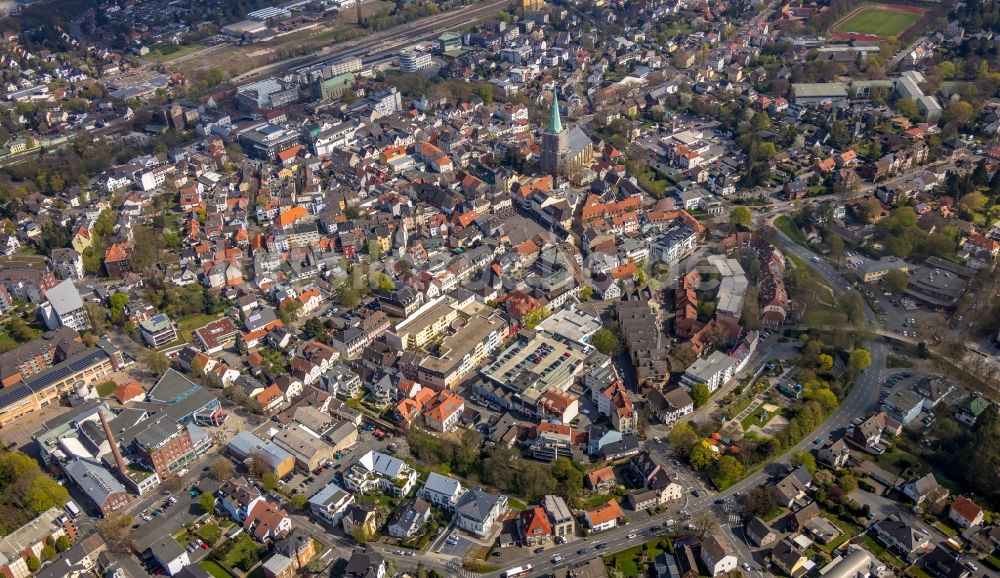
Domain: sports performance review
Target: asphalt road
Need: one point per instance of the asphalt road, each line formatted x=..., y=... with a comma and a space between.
x=862, y=399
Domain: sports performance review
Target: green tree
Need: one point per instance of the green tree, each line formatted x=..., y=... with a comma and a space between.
x=741, y=217
x=385, y=283
x=585, y=293
x=700, y=394
x=606, y=342
x=485, y=92
x=63, y=543
x=156, y=362
x=33, y=563
x=269, y=481
x=682, y=437
x=299, y=501
x=908, y=108
x=532, y=318
x=315, y=328
x=805, y=458
x=49, y=552
x=729, y=468
x=825, y=397
x=974, y=201
x=824, y=362
x=860, y=360
x=118, y=303
x=206, y=502
x=896, y=281
x=349, y=297
x=700, y=457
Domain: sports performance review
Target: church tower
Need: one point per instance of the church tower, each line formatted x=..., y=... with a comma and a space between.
x=554, y=140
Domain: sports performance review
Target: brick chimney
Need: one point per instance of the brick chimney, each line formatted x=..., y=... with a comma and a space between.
x=119, y=460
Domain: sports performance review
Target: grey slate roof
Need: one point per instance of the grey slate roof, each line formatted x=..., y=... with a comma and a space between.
x=95, y=481
x=476, y=504
x=64, y=297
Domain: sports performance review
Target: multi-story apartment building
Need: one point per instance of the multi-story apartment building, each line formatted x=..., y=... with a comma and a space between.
x=64, y=308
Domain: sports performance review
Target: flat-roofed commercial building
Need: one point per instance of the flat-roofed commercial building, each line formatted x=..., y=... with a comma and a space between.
x=45, y=388
x=874, y=270
x=939, y=282
x=572, y=324
x=820, y=93
x=536, y=364
x=462, y=351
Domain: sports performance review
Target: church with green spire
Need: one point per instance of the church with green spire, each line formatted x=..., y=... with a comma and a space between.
x=565, y=152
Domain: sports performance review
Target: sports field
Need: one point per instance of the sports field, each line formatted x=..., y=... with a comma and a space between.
x=876, y=21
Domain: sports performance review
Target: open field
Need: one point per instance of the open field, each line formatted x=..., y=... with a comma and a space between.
x=876, y=22
x=235, y=59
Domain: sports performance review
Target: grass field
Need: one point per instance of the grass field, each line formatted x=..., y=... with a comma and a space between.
x=214, y=569
x=879, y=22
x=107, y=388
x=160, y=57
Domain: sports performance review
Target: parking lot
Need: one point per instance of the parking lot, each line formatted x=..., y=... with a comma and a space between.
x=894, y=381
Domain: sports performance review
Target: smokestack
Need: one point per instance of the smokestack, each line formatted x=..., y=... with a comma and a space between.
x=119, y=460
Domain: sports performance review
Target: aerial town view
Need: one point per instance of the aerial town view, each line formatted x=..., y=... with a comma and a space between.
x=499, y=288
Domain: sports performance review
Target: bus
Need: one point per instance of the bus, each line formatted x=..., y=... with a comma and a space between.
x=953, y=544
x=72, y=509
x=518, y=571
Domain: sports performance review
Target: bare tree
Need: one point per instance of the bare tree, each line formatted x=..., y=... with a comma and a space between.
x=703, y=523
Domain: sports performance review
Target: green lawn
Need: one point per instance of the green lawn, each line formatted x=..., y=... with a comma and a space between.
x=241, y=552
x=849, y=531
x=875, y=548
x=945, y=528
x=786, y=226
x=992, y=561
x=879, y=21
x=516, y=504
x=629, y=562
x=106, y=389
x=754, y=418
x=160, y=57
x=897, y=363
x=186, y=325
x=598, y=499
x=210, y=533
x=214, y=569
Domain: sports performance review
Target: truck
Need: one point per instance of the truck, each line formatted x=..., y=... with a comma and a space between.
x=72, y=509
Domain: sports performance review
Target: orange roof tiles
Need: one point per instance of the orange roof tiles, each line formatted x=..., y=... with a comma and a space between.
x=128, y=391
x=605, y=513
x=286, y=218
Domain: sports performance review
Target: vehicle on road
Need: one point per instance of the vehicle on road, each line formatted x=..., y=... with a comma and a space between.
x=746, y=566
x=518, y=571
x=558, y=559
x=583, y=550
x=601, y=546
x=539, y=550
x=632, y=536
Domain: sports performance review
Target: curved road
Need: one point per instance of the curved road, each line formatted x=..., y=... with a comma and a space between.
x=862, y=399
